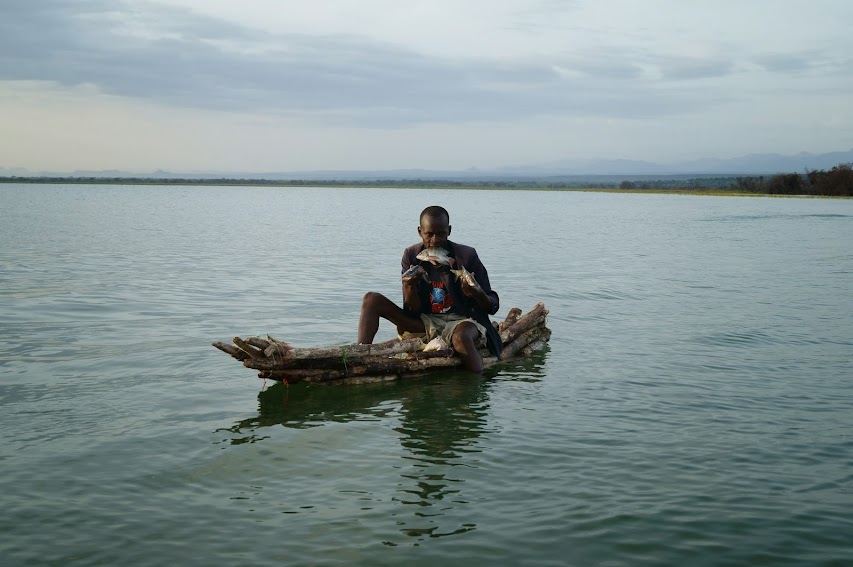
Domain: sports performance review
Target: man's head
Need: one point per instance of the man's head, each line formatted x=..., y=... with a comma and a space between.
x=435, y=227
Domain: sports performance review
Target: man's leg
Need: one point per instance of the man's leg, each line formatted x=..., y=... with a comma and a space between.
x=465, y=336
x=375, y=306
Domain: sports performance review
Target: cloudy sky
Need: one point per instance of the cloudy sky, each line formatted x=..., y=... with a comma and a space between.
x=286, y=85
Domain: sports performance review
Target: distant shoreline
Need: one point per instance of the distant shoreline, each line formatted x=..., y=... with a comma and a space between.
x=395, y=184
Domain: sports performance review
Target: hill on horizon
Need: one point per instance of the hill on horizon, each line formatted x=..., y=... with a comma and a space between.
x=752, y=164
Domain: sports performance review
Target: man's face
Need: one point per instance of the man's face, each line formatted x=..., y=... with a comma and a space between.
x=434, y=231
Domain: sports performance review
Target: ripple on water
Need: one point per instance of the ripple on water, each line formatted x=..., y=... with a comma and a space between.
x=693, y=406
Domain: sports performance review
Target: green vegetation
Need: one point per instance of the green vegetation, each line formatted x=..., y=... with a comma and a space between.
x=837, y=182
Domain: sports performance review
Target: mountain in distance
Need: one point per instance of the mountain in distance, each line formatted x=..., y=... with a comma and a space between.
x=752, y=164
x=15, y=171
x=771, y=163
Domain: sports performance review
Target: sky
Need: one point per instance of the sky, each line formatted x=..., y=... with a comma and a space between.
x=282, y=85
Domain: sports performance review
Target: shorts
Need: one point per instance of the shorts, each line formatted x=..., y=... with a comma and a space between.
x=442, y=325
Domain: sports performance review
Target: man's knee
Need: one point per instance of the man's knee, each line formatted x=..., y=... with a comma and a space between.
x=465, y=336
x=372, y=299
x=465, y=333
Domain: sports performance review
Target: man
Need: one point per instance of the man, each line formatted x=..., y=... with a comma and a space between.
x=435, y=301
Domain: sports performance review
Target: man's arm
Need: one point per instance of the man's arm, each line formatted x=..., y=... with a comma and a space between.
x=411, y=292
x=483, y=301
x=486, y=299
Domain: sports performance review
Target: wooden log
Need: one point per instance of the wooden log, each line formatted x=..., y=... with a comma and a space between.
x=375, y=379
x=378, y=378
x=380, y=368
x=403, y=365
x=357, y=363
x=511, y=319
x=374, y=365
x=537, y=344
x=247, y=348
x=510, y=335
x=403, y=368
x=524, y=322
x=512, y=349
x=413, y=363
x=342, y=363
x=277, y=348
x=230, y=349
x=534, y=317
x=302, y=375
x=393, y=346
x=257, y=342
x=327, y=368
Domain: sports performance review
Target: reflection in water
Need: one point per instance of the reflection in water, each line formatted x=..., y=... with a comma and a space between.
x=441, y=422
x=440, y=426
x=302, y=405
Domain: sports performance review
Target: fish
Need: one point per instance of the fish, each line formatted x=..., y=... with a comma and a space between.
x=436, y=344
x=437, y=256
x=415, y=271
x=465, y=276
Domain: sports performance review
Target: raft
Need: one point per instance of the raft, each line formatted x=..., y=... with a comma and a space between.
x=521, y=335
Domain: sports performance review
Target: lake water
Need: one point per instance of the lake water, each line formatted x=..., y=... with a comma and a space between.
x=695, y=406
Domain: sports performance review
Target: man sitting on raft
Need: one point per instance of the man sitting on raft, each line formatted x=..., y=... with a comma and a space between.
x=440, y=298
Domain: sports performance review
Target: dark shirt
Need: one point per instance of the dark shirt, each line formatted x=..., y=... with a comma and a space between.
x=457, y=302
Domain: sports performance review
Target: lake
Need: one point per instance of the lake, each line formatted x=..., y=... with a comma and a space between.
x=694, y=407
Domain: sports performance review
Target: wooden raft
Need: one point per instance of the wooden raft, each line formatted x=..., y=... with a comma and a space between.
x=522, y=335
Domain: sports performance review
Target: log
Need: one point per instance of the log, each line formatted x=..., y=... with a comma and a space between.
x=513, y=348
x=302, y=375
x=393, y=346
x=535, y=316
x=340, y=363
x=523, y=323
x=347, y=356
x=279, y=348
x=323, y=370
x=374, y=379
x=511, y=334
x=374, y=365
x=511, y=319
x=536, y=345
x=357, y=363
x=230, y=349
x=257, y=342
x=247, y=348
x=379, y=368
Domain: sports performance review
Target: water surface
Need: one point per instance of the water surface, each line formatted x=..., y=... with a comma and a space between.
x=694, y=406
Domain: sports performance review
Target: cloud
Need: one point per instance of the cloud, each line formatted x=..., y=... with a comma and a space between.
x=813, y=63
x=689, y=68
x=182, y=58
x=473, y=82
x=785, y=62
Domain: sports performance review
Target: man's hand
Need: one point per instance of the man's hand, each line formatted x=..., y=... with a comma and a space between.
x=467, y=282
x=413, y=275
x=469, y=286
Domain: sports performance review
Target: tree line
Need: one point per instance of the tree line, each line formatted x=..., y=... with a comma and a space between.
x=837, y=182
